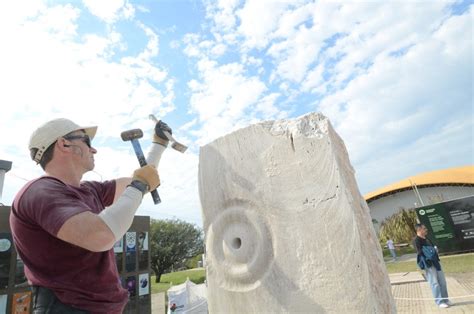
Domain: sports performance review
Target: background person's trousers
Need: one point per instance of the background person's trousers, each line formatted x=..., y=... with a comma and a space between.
x=438, y=285
x=45, y=302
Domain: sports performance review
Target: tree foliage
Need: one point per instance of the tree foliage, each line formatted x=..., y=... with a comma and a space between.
x=172, y=243
x=193, y=262
x=399, y=227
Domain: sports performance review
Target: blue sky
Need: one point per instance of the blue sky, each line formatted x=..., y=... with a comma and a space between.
x=394, y=78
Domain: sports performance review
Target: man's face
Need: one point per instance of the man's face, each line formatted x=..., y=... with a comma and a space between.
x=423, y=231
x=82, y=149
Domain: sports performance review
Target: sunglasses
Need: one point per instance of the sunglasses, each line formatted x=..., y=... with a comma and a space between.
x=85, y=138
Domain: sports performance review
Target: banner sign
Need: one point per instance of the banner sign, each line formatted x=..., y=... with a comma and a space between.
x=450, y=224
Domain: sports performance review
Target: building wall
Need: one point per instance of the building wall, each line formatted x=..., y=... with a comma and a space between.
x=384, y=207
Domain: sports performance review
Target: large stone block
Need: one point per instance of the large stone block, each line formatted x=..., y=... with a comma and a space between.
x=286, y=227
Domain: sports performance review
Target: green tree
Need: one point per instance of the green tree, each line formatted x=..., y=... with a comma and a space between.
x=399, y=227
x=193, y=262
x=172, y=243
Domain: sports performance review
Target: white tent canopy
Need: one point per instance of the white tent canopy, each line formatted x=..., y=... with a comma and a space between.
x=188, y=297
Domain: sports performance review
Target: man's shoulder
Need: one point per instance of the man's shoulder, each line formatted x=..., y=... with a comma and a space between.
x=38, y=186
x=423, y=241
x=44, y=181
x=96, y=185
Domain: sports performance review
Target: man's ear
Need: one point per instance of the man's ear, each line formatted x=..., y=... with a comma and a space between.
x=62, y=143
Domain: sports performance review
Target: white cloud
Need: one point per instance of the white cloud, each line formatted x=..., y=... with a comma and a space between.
x=267, y=107
x=16, y=12
x=192, y=48
x=178, y=190
x=50, y=71
x=395, y=79
x=196, y=47
x=152, y=47
x=110, y=10
x=222, y=12
x=258, y=19
x=403, y=99
x=439, y=149
x=75, y=73
x=385, y=73
x=223, y=97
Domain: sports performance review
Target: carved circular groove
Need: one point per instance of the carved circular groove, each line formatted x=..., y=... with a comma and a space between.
x=236, y=243
x=239, y=245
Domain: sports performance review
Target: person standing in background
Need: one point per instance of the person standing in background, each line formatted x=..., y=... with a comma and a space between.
x=391, y=248
x=428, y=260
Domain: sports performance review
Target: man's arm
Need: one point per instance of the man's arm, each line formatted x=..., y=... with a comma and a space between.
x=98, y=233
x=87, y=230
x=120, y=186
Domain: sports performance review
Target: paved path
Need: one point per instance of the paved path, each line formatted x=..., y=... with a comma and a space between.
x=406, y=287
x=158, y=305
x=412, y=288
x=458, y=285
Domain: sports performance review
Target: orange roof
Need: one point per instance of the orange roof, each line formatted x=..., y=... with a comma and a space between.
x=460, y=175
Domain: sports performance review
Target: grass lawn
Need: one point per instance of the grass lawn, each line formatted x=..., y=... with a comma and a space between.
x=461, y=263
x=197, y=276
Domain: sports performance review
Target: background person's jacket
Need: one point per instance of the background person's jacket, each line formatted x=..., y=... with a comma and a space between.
x=426, y=254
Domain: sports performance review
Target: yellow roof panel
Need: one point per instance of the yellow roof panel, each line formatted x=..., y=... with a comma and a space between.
x=460, y=175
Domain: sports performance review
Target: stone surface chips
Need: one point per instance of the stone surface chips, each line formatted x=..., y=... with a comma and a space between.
x=286, y=227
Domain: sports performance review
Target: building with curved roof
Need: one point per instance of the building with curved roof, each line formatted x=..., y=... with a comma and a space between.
x=422, y=189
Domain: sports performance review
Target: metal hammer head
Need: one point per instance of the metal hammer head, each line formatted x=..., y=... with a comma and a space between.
x=131, y=134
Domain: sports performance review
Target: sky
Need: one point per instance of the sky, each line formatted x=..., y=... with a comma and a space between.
x=395, y=78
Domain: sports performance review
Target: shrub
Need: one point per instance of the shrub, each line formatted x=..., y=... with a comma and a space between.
x=399, y=227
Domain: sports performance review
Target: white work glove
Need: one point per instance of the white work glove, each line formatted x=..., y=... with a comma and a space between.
x=159, y=136
x=160, y=142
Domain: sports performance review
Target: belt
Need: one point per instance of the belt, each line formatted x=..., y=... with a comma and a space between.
x=45, y=302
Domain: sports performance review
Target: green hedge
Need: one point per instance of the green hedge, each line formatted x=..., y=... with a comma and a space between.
x=400, y=251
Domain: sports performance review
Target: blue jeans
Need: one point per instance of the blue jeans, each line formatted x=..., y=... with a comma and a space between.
x=438, y=284
x=394, y=254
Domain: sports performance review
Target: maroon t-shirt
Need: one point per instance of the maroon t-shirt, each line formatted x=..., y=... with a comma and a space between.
x=80, y=278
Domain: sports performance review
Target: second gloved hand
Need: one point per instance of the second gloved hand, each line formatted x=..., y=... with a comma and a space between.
x=148, y=175
x=159, y=136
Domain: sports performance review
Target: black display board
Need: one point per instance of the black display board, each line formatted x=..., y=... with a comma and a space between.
x=131, y=254
x=15, y=294
x=450, y=224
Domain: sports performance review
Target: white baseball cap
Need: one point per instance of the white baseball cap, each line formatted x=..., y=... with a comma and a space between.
x=49, y=132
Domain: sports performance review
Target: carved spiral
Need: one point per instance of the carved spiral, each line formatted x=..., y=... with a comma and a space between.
x=240, y=249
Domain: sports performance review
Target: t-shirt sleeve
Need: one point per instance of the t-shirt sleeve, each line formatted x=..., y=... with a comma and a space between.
x=49, y=203
x=105, y=190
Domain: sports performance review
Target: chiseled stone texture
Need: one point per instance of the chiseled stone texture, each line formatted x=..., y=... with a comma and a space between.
x=286, y=227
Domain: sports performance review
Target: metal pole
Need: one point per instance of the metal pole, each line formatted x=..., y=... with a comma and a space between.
x=417, y=193
x=2, y=178
x=5, y=166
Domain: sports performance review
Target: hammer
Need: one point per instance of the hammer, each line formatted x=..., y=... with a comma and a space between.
x=133, y=136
